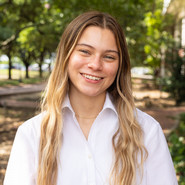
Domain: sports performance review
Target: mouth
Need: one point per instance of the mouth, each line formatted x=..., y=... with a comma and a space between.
x=90, y=77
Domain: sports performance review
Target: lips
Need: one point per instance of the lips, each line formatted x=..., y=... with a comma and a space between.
x=90, y=77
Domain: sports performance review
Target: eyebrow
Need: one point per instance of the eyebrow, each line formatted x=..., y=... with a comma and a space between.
x=109, y=50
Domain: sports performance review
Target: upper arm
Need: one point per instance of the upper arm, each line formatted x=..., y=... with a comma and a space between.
x=159, y=165
x=21, y=169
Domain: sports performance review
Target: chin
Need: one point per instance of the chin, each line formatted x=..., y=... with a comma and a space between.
x=93, y=94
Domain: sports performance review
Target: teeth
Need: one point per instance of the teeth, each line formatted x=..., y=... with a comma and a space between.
x=91, y=77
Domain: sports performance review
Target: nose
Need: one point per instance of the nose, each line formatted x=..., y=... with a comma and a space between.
x=95, y=63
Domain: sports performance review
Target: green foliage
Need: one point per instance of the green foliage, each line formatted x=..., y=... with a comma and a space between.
x=175, y=82
x=177, y=148
x=31, y=30
x=5, y=32
x=157, y=39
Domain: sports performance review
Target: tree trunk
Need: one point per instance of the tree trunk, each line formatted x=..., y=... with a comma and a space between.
x=40, y=70
x=27, y=71
x=49, y=68
x=41, y=62
x=10, y=67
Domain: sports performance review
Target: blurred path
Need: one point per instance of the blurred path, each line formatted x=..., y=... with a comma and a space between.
x=17, y=96
x=22, y=89
x=167, y=117
x=156, y=103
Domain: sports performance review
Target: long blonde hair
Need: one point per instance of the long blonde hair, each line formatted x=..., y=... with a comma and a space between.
x=127, y=141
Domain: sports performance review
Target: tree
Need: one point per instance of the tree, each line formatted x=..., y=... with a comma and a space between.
x=48, y=19
x=157, y=37
x=15, y=17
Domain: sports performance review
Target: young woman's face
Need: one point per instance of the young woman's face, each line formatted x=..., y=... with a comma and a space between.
x=94, y=62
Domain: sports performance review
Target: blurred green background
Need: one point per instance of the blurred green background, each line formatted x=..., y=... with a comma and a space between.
x=30, y=31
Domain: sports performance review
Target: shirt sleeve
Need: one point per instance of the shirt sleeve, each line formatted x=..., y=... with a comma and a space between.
x=21, y=165
x=159, y=165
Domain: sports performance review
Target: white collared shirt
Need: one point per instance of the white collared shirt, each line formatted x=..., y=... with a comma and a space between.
x=88, y=162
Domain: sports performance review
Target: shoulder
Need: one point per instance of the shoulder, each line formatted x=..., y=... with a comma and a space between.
x=151, y=128
x=146, y=120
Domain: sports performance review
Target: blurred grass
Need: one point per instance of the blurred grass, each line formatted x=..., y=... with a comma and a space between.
x=18, y=77
x=23, y=81
x=16, y=73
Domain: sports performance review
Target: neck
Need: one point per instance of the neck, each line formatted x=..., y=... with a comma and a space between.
x=86, y=107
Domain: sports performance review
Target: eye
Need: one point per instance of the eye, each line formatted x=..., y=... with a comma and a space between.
x=86, y=52
x=109, y=57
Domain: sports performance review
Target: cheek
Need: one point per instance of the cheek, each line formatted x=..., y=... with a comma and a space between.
x=73, y=64
x=76, y=62
x=112, y=71
x=72, y=61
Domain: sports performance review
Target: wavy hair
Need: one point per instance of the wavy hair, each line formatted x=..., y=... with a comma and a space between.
x=130, y=152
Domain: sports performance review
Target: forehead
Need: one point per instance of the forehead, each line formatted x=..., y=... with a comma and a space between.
x=97, y=36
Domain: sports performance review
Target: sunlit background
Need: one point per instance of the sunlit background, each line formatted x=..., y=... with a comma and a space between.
x=155, y=32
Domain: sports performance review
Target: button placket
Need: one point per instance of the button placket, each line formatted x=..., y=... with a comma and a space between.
x=90, y=167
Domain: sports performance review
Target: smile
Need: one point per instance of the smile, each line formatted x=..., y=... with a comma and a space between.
x=91, y=77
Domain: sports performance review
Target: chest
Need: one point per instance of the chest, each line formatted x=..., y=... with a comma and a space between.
x=87, y=161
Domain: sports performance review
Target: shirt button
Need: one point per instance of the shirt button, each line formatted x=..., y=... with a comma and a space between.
x=90, y=157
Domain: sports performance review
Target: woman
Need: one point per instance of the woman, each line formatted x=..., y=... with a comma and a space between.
x=90, y=132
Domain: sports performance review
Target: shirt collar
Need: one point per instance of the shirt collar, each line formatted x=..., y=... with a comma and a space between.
x=107, y=105
x=67, y=104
